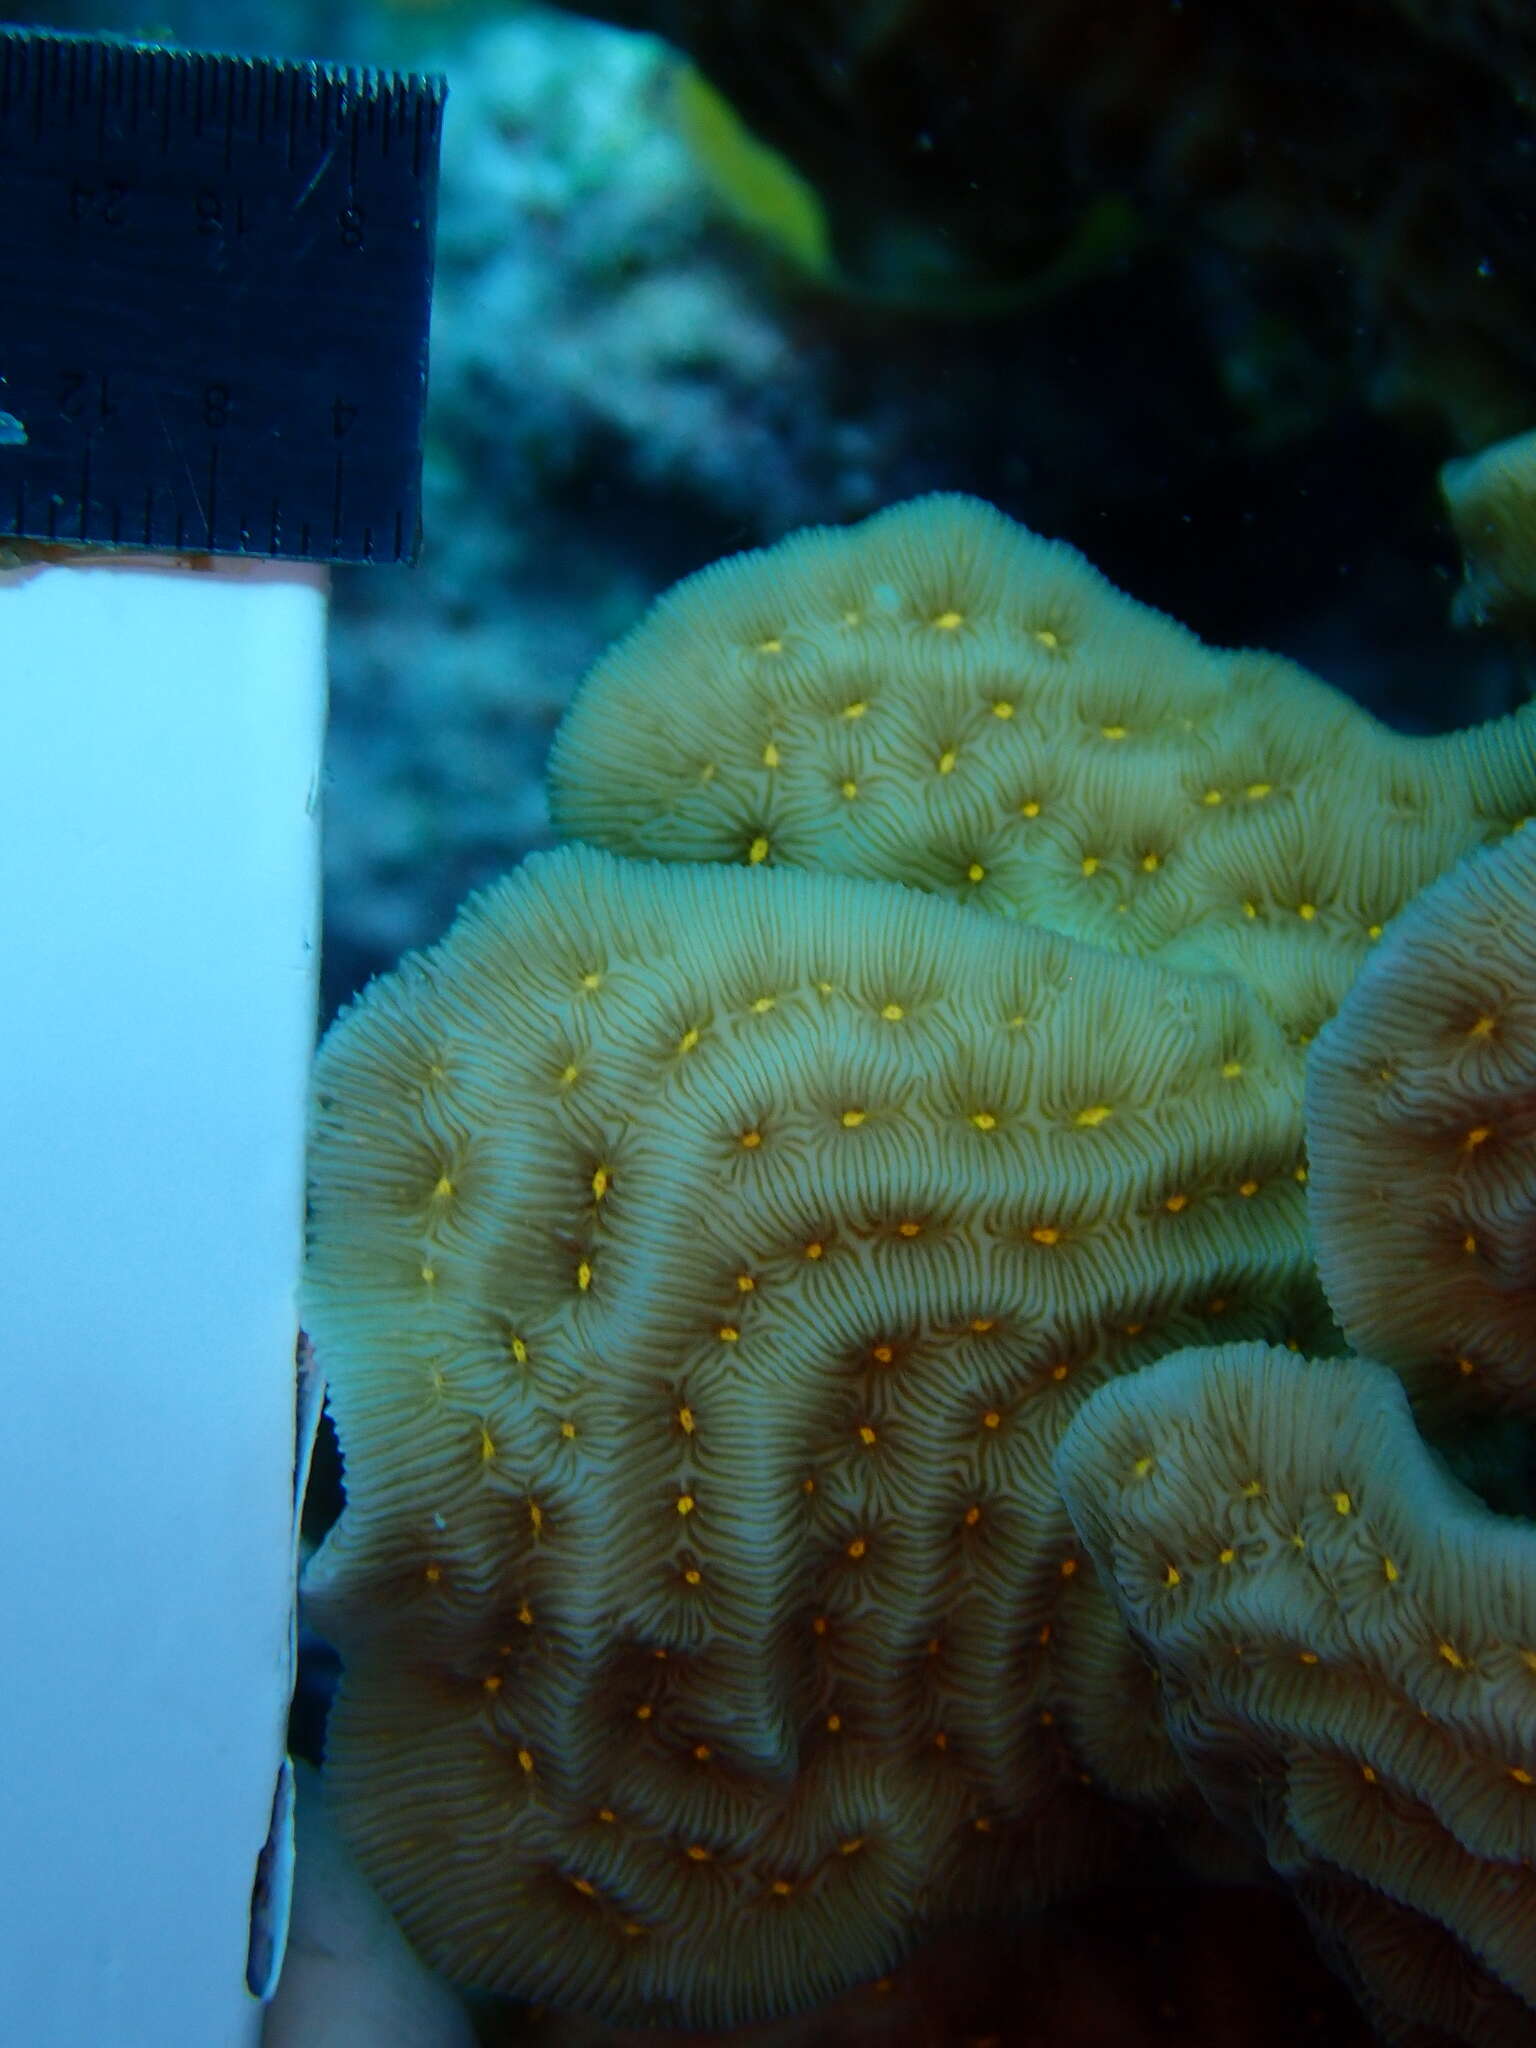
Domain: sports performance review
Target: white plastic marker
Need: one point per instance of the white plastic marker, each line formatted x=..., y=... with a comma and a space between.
x=160, y=741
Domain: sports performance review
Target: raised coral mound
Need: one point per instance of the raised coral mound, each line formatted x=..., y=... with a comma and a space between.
x=1421, y=1124
x=941, y=698
x=1346, y=1643
x=706, y=1264
x=1492, y=503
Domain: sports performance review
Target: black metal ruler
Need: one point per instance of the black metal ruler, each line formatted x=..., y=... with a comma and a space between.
x=215, y=280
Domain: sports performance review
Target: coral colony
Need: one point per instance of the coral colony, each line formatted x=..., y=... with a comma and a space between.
x=843, y=1429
